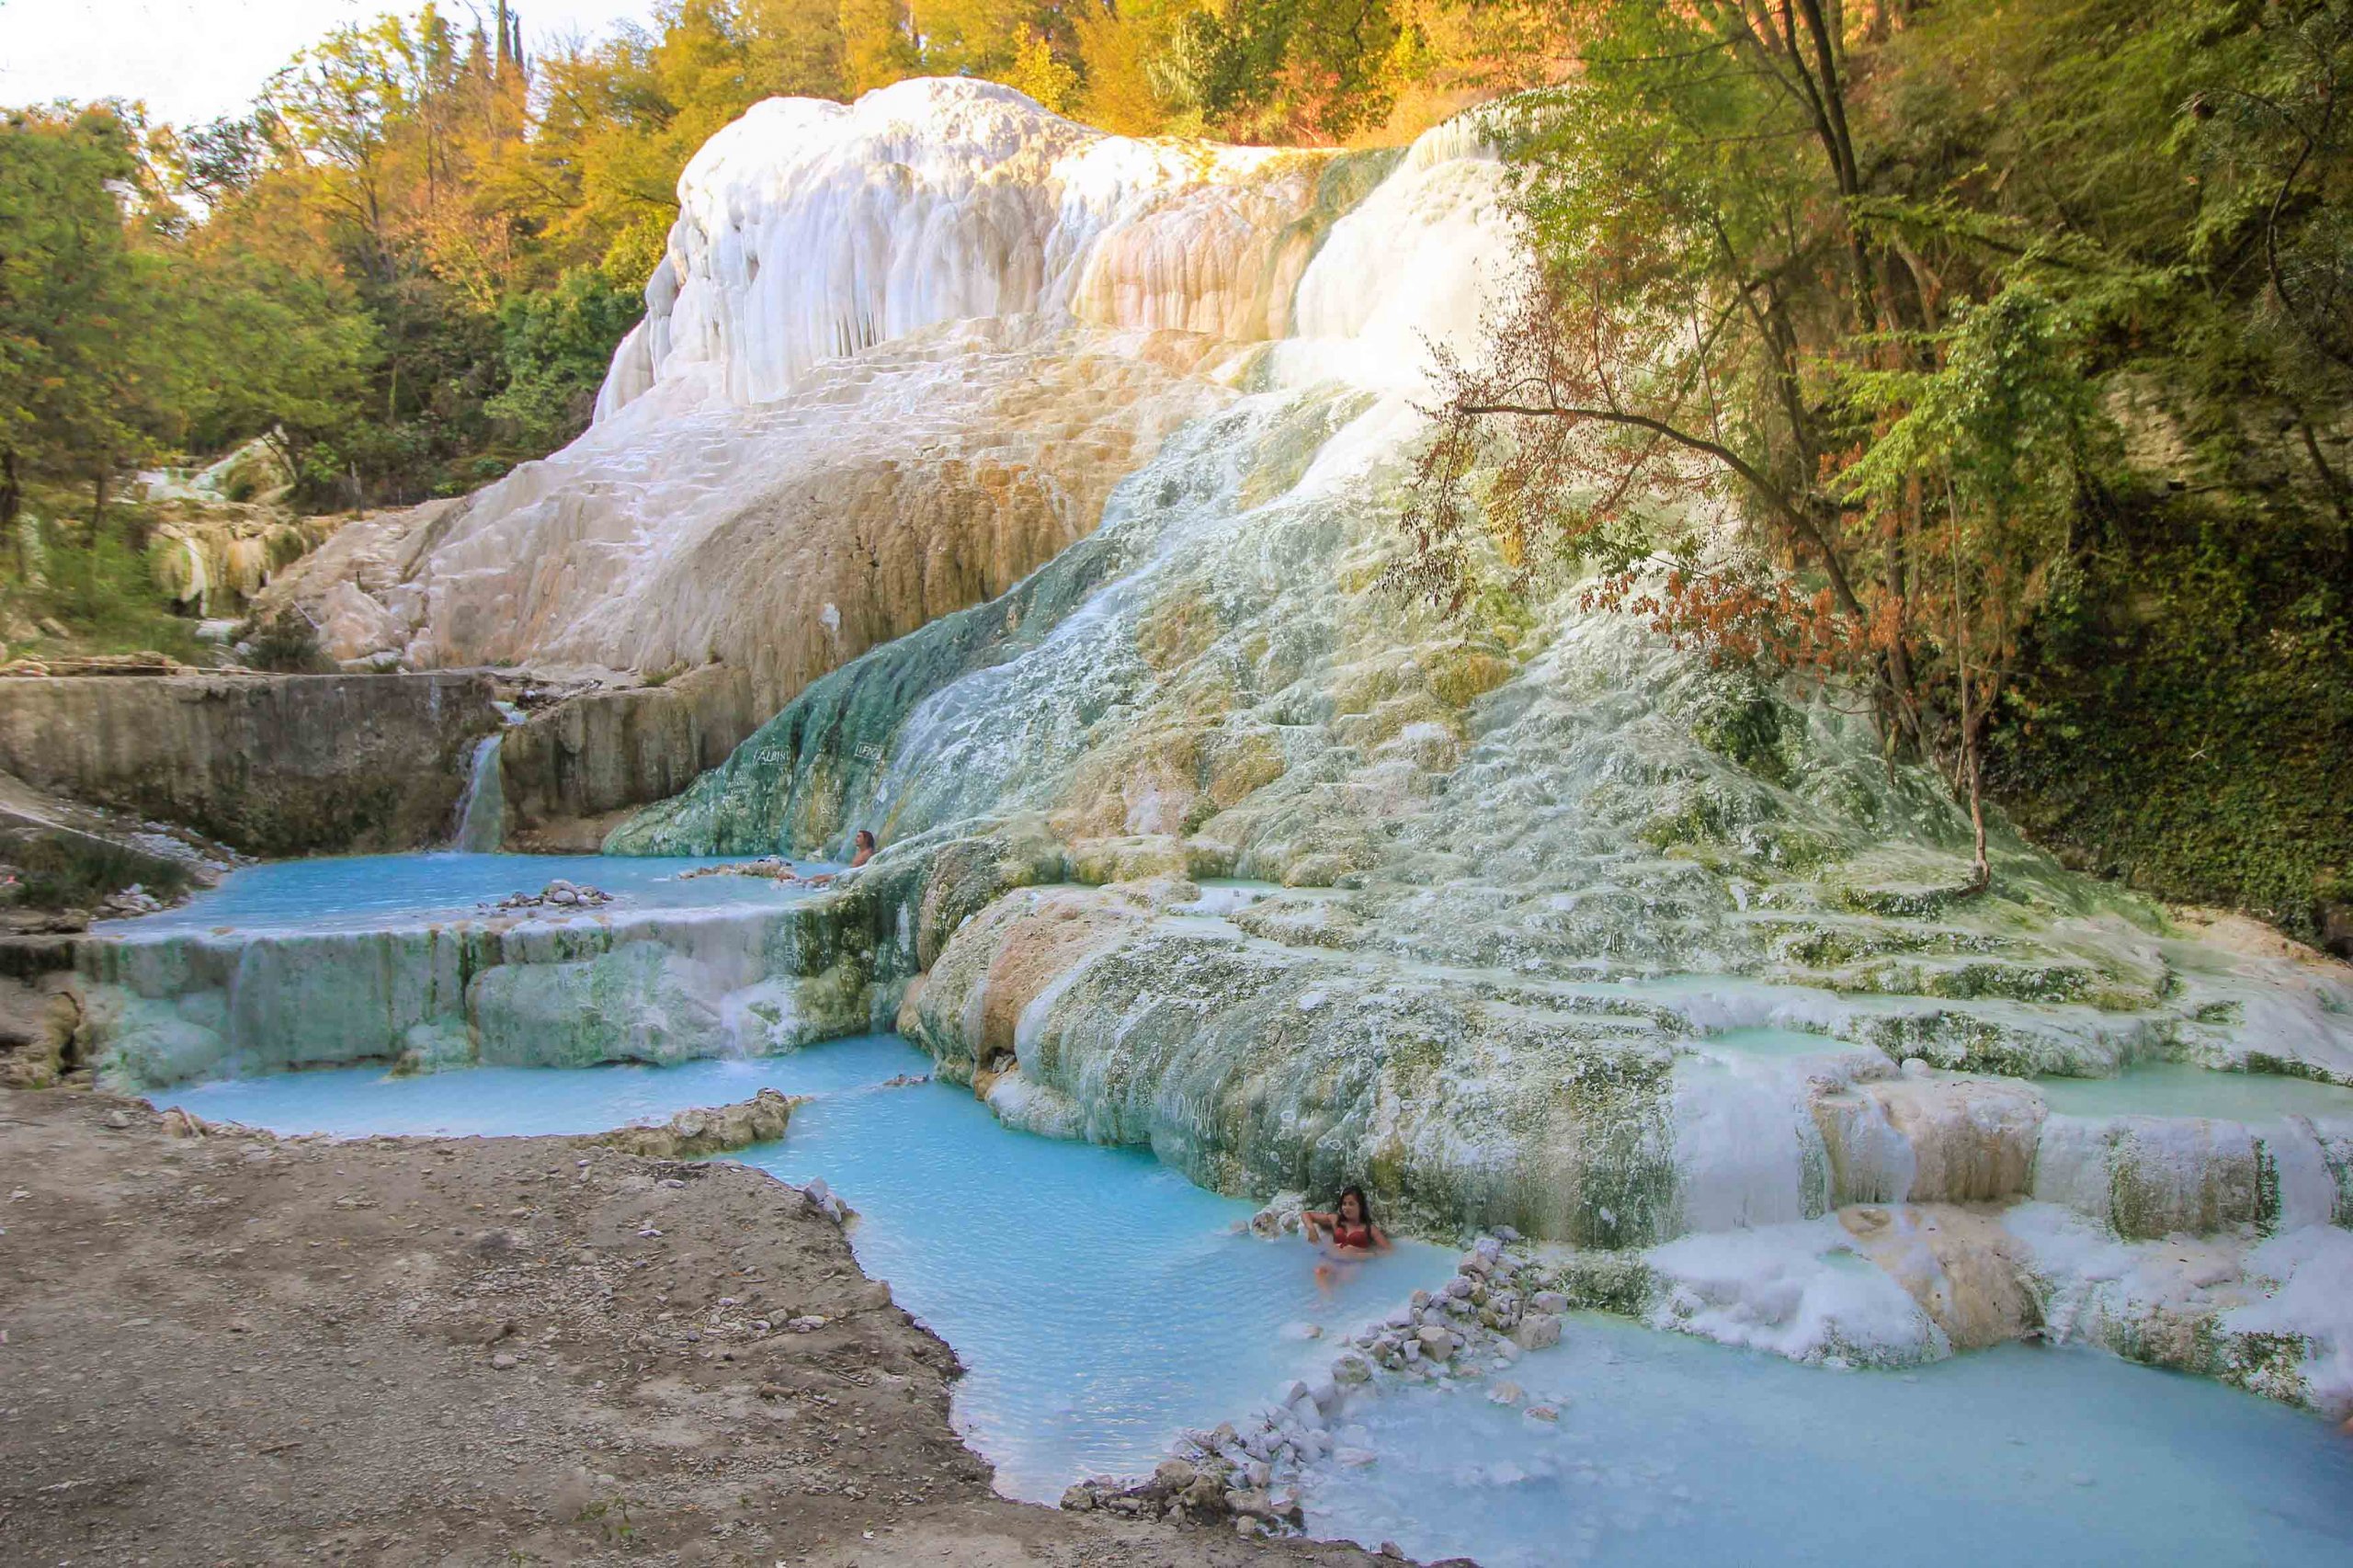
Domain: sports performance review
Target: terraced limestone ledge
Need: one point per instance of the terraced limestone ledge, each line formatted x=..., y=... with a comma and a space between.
x=1837, y=1206
x=1848, y=1202
x=548, y=989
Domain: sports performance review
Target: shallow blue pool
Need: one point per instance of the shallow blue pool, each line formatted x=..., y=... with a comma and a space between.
x=375, y=892
x=1674, y=1449
x=357, y=1102
x=1103, y=1303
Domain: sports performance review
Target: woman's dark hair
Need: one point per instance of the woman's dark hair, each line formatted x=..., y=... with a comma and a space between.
x=865, y=835
x=1364, y=1205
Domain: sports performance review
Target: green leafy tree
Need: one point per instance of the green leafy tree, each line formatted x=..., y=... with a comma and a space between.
x=78, y=377
x=1919, y=291
x=556, y=350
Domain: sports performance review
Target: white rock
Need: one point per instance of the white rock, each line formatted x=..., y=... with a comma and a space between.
x=1537, y=1331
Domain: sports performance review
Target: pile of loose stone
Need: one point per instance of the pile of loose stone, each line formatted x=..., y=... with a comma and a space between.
x=125, y=902
x=557, y=894
x=772, y=865
x=1497, y=1306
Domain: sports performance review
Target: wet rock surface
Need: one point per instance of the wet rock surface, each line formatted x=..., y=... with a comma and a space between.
x=576, y=765
x=272, y=764
x=227, y=1348
x=62, y=860
x=705, y=1130
x=557, y=894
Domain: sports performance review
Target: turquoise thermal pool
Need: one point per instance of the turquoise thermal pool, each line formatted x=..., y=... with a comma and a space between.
x=1674, y=1449
x=1102, y=1303
x=2180, y=1089
x=376, y=891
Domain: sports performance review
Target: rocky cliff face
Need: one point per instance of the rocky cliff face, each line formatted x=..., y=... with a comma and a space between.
x=574, y=770
x=272, y=764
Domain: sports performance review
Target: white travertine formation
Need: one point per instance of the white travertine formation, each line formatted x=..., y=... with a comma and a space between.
x=811, y=231
x=895, y=358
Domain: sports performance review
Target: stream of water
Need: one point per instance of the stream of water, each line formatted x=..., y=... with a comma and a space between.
x=1103, y=1303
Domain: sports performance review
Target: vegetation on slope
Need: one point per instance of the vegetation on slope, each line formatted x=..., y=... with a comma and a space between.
x=2022, y=336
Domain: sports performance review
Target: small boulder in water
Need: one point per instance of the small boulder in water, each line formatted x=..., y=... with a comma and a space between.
x=1279, y=1217
x=557, y=894
x=1536, y=1331
x=775, y=867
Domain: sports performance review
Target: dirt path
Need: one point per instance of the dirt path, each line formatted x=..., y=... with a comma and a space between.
x=232, y=1350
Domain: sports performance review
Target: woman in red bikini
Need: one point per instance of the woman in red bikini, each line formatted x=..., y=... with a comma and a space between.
x=1353, y=1236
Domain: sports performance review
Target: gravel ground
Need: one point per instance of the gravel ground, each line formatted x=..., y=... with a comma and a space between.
x=229, y=1350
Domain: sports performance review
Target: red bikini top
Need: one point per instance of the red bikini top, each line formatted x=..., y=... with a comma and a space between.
x=1351, y=1235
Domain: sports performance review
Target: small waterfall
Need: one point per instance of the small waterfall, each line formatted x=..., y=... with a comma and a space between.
x=482, y=811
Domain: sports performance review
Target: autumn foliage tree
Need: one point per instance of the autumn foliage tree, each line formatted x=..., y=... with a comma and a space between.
x=1751, y=286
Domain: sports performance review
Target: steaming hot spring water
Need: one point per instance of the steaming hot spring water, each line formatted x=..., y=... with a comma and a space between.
x=1103, y=1304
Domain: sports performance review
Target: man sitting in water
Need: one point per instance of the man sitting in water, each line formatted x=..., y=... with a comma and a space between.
x=862, y=851
x=1354, y=1236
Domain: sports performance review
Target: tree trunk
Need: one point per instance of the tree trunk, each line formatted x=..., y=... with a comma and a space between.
x=1981, y=873
x=12, y=501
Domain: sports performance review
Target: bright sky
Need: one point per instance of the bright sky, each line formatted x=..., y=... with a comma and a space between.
x=191, y=59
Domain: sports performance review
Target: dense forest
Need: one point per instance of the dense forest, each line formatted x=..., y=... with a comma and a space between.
x=2021, y=335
